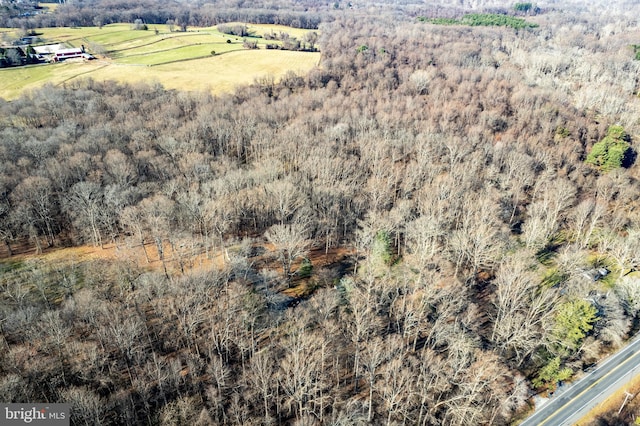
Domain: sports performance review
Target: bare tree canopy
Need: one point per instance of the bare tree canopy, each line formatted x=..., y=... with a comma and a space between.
x=437, y=222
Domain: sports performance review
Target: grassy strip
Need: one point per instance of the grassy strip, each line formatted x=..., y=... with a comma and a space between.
x=73, y=77
x=164, y=38
x=192, y=59
x=118, y=37
x=87, y=38
x=612, y=404
x=182, y=60
x=176, y=54
x=66, y=34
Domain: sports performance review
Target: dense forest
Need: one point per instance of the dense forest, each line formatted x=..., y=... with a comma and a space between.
x=183, y=14
x=470, y=195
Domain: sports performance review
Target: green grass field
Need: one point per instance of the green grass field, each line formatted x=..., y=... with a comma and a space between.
x=165, y=57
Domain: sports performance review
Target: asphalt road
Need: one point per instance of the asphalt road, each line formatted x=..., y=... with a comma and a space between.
x=571, y=404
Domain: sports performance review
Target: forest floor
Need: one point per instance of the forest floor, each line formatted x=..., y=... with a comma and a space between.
x=178, y=258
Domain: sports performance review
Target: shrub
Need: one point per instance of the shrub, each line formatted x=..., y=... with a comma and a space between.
x=249, y=44
x=236, y=30
x=138, y=24
x=551, y=374
x=305, y=268
x=382, y=247
x=562, y=132
x=523, y=7
x=444, y=21
x=573, y=321
x=612, y=151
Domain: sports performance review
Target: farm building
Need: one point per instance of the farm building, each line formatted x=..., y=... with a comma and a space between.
x=74, y=52
x=63, y=54
x=48, y=49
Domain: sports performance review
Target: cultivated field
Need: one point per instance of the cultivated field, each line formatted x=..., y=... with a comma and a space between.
x=162, y=56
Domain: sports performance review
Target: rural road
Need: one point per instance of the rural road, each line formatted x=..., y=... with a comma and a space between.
x=571, y=404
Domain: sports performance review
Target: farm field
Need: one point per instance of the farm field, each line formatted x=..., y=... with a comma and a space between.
x=161, y=56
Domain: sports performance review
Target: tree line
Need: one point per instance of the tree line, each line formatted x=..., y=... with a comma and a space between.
x=103, y=12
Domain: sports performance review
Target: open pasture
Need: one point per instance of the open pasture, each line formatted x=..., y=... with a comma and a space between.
x=165, y=41
x=218, y=74
x=15, y=81
x=161, y=56
x=170, y=55
x=74, y=35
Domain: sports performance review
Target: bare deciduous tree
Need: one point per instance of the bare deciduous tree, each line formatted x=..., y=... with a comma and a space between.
x=291, y=243
x=86, y=406
x=373, y=355
x=521, y=308
x=260, y=374
x=547, y=210
x=301, y=376
x=85, y=207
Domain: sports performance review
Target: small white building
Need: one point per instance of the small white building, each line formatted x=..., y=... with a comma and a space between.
x=63, y=54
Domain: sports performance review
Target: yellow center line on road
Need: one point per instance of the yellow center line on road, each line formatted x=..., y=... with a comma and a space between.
x=555, y=413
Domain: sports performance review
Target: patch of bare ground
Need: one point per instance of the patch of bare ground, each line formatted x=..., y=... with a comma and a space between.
x=183, y=256
x=177, y=257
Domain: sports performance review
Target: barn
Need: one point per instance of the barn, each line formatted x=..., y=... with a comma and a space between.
x=63, y=54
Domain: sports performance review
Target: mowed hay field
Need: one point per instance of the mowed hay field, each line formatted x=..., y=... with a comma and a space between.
x=217, y=74
x=177, y=60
